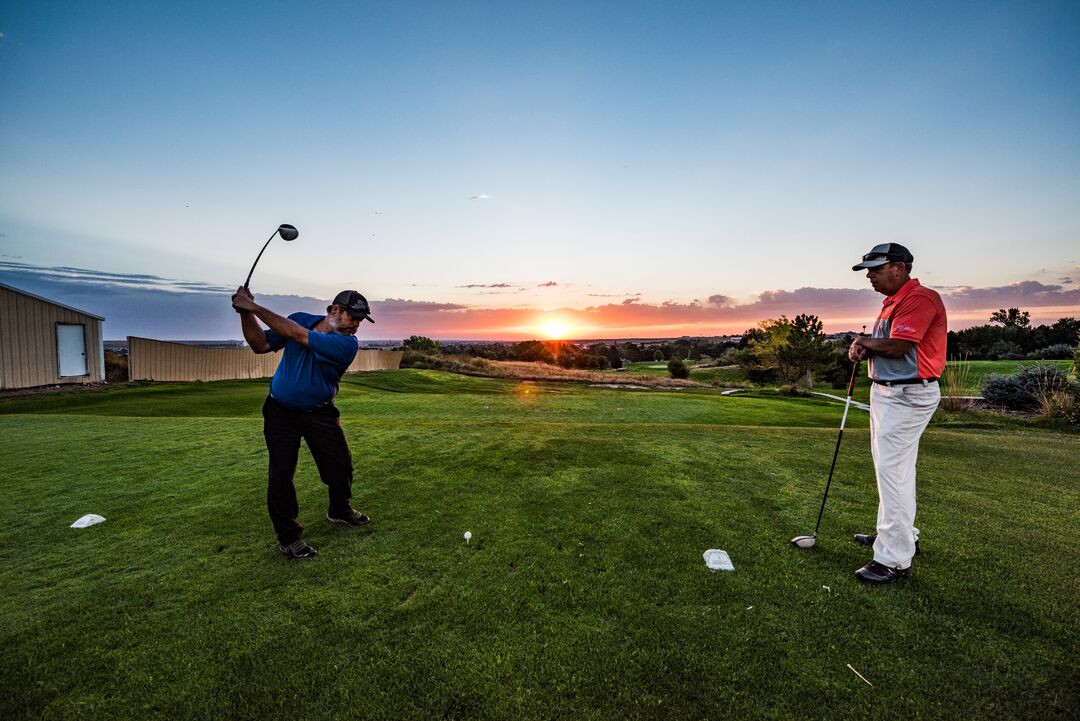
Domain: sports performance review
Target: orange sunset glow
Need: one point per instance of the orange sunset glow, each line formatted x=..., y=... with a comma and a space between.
x=555, y=328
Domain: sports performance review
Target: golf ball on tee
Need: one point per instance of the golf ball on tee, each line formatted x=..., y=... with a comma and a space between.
x=468, y=535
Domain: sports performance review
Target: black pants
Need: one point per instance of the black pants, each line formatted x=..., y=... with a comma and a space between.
x=283, y=428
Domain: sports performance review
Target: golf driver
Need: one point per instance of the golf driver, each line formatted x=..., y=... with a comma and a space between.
x=811, y=541
x=286, y=231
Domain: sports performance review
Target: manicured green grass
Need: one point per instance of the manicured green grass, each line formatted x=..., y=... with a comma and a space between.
x=978, y=370
x=583, y=594
x=708, y=374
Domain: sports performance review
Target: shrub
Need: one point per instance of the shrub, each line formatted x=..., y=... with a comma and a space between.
x=416, y=359
x=1058, y=351
x=1005, y=350
x=678, y=369
x=1021, y=391
x=729, y=357
x=116, y=367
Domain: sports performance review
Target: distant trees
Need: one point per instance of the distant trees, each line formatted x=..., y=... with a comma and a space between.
x=610, y=352
x=784, y=349
x=1013, y=338
x=1011, y=317
x=806, y=351
x=421, y=344
x=534, y=351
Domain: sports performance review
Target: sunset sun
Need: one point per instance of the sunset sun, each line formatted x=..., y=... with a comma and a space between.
x=555, y=328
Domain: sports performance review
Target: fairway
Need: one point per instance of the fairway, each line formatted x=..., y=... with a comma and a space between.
x=582, y=594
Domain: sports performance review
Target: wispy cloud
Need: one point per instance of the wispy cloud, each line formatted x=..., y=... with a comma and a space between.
x=82, y=276
x=549, y=284
x=486, y=285
x=481, y=196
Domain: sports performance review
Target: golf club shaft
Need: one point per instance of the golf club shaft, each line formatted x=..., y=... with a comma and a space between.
x=259, y=256
x=836, y=451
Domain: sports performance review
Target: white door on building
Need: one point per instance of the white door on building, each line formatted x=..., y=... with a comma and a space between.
x=71, y=347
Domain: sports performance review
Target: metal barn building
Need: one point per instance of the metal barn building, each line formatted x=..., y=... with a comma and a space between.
x=45, y=343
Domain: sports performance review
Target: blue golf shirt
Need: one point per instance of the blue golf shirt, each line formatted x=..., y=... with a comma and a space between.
x=308, y=377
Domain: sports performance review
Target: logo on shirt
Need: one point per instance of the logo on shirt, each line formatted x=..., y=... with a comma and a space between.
x=900, y=328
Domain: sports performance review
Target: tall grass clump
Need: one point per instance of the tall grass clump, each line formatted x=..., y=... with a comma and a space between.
x=955, y=381
x=1062, y=405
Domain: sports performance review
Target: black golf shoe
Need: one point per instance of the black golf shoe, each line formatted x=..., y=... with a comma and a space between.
x=875, y=572
x=298, y=549
x=351, y=517
x=867, y=539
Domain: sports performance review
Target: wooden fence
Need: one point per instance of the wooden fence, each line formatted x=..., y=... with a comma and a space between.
x=159, y=360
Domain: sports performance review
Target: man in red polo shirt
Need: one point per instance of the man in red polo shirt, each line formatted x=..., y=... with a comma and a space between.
x=907, y=355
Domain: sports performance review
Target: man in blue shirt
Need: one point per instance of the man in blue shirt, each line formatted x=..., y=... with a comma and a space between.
x=318, y=351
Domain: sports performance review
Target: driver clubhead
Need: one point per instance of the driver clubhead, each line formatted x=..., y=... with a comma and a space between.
x=288, y=232
x=804, y=541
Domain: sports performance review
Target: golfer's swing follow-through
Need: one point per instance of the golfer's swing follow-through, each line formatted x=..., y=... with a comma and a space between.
x=318, y=351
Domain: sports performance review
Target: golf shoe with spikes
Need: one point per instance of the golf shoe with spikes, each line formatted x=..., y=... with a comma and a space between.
x=351, y=517
x=297, y=550
x=878, y=573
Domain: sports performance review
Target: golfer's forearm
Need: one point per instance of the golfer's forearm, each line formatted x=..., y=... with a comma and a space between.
x=280, y=325
x=886, y=347
x=253, y=333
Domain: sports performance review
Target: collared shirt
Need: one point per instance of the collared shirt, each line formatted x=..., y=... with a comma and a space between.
x=916, y=314
x=308, y=377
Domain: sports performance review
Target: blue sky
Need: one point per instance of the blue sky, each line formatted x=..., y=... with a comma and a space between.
x=653, y=154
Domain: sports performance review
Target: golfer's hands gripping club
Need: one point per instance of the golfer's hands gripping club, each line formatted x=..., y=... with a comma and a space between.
x=858, y=352
x=243, y=301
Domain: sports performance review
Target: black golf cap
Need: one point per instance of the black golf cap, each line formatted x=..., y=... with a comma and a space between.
x=885, y=253
x=355, y=303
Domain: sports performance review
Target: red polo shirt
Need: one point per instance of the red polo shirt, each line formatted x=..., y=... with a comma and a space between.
x=916, y=314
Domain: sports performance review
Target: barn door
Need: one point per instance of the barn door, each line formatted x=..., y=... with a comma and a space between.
x=71, y=347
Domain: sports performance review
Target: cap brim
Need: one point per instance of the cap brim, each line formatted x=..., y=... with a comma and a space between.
x=360, y=316
x=871, y=264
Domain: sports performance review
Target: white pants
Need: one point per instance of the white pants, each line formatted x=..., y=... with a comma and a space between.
x=898, y=416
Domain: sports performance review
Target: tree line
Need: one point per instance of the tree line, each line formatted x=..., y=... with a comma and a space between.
x=790, y=350
x=1010, y=336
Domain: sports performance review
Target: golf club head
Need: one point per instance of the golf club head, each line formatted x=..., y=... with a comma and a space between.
x=804, y=541
x=288, y=232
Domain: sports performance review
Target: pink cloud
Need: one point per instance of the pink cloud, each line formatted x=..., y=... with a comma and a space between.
x=840, y=309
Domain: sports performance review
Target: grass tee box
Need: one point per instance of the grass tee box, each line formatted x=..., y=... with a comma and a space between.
x=582, y=593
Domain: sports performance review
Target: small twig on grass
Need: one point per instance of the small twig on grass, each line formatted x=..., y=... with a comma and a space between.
x=859, y=674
